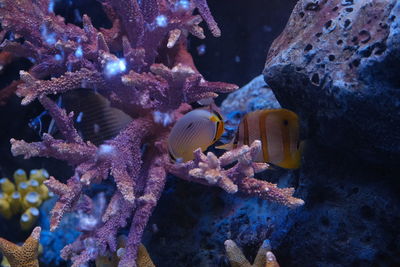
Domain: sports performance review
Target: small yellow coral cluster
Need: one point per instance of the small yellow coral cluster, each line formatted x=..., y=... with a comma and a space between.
x=24, y=196
x=143, y=259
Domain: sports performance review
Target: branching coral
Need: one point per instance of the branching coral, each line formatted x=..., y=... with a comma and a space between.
x=153, y=82
x=209, y=170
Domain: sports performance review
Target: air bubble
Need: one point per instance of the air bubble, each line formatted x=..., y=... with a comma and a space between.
x=329, y=26
x=315, y=79
x=308, y=47
x=347, y=2
x=365, y=36
x=347, y=24
x=312, y=6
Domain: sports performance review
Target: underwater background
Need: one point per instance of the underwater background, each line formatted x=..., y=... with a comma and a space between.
x=334, y=63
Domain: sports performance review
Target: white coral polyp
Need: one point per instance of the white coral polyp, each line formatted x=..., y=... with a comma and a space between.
x=105, y=150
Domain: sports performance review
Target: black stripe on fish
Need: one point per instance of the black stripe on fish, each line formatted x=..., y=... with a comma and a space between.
x=171, y=156
x=218, y=115
x=216, y=129
x=236, y=139
x=245, y=131
x=189, y=126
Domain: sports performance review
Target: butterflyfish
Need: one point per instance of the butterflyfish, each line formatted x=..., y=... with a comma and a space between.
x=94, y=118
x=198, y=128
x=278, y=131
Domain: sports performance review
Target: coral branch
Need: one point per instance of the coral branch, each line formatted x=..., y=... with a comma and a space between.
x=209, y=170
x=206, y=14
x=63, y=121
x=269, y=191
x=132, y=19
x=33, y=88
x=90, y=247
x=146, y=203
x=126, y=159
x=73, y=153
x=69, y=195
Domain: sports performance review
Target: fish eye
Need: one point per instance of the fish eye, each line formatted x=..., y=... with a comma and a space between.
x=32, y=125
x=285, y=122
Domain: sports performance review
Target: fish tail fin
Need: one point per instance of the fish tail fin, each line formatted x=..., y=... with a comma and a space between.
x=290, y=164
x=302, y=147
x=295, y=161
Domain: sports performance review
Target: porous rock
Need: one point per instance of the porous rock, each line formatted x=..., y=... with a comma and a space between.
x=350, y=216
x=336, y=64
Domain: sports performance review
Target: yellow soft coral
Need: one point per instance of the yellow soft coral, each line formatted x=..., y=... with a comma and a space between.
x=25, y=255
x=264, y=258
x=24, y=196
x=143, y=258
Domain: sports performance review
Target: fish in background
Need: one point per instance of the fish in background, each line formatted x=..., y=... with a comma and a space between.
x=199, y=128
x=94, y=118
x=278, y=131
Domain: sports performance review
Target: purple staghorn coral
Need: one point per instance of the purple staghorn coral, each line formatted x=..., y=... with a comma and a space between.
x=154, y=82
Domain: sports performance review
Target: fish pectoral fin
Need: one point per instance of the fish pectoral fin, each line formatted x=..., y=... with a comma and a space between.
x=227, y=146
x=302, y=146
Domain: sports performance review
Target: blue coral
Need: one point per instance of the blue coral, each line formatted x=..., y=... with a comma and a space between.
x=53, y=242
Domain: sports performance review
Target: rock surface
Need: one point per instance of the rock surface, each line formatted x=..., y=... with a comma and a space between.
x=253, y=96
x=350, y=217
x=336, y=64
x=192, y=222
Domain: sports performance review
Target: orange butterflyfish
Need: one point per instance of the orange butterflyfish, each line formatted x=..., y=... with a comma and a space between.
x=198, y=128
x=278, y=131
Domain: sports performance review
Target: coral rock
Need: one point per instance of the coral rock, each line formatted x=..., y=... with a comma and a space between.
x=336, y=63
